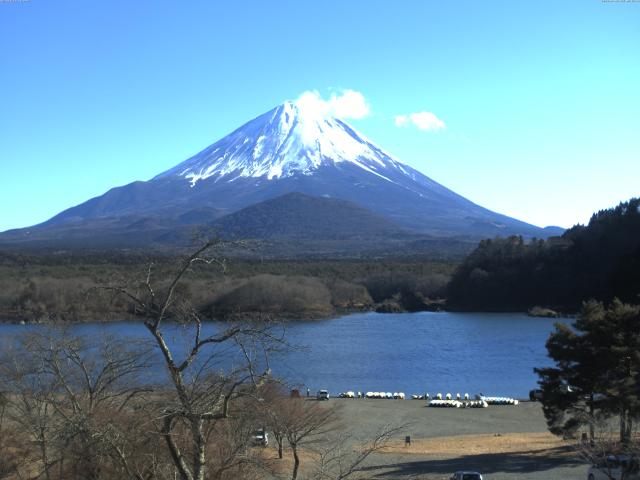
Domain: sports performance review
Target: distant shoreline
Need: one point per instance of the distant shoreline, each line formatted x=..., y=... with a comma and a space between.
x=253, y=316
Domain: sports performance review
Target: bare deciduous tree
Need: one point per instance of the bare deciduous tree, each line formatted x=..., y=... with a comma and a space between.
x=9, y=451
x=344, y=457
x=615, y=459
x=205, y=384
x=70, y=397
x=305, y=423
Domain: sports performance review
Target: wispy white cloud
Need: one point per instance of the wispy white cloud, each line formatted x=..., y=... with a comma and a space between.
x=401, y=120
x=423, y=120
x=348, y=104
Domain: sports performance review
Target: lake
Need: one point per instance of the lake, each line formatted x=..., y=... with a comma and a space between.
x=492, y=353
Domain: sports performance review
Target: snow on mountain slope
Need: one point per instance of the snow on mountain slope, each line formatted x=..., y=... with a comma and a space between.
x=292, y=148
x=288, y=140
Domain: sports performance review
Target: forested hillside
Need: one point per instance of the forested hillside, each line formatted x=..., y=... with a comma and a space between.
x=71, y=287
x=600, y=260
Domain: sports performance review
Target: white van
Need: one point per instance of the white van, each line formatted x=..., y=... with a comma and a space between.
x=322, y=395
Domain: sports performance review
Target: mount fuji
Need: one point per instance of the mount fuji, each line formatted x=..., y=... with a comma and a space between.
x=290, y=149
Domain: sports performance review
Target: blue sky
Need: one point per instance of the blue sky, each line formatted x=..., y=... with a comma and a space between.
x=539, y=101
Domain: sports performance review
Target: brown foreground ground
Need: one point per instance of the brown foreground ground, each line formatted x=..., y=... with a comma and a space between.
x=501, y=442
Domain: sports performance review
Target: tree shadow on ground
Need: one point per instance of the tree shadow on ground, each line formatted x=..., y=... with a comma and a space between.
x=513, y=463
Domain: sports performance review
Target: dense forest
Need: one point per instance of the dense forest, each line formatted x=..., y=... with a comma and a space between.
x=599, y=261
x=76, y=287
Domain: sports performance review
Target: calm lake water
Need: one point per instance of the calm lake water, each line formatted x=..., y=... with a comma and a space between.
x=414, y=353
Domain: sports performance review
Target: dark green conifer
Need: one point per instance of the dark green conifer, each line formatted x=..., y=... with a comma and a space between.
x=597, y=370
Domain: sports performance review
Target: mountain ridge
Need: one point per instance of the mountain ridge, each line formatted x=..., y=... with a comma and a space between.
x=285, y=150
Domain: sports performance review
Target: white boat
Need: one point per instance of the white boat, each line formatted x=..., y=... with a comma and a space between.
x=500, y=400
x=445, y=403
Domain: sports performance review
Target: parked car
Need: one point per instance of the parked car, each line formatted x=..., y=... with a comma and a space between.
x=535, y=395
x=322, y=395
x=259, y=438
x=615, y=467
x=466, y=476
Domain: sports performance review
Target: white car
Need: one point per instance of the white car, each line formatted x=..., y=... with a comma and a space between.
x=466, y=476
x=615, y=467
x=322, y=395
x=259, y=438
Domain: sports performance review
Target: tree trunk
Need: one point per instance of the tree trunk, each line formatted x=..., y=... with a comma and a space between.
x=625, y=427
x=176, y=454
x=296, y=462
x=280, y=455
x=200, y=454
x=628, y=423
x=45, y=457
x=592, y=432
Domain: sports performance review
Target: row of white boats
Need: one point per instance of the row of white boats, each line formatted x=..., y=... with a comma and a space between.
x=386, y=395
x=458, y=404
x=439, y=401
x=481, y=402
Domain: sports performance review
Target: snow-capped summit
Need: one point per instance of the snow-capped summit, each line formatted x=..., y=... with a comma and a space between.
x=293, y=138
